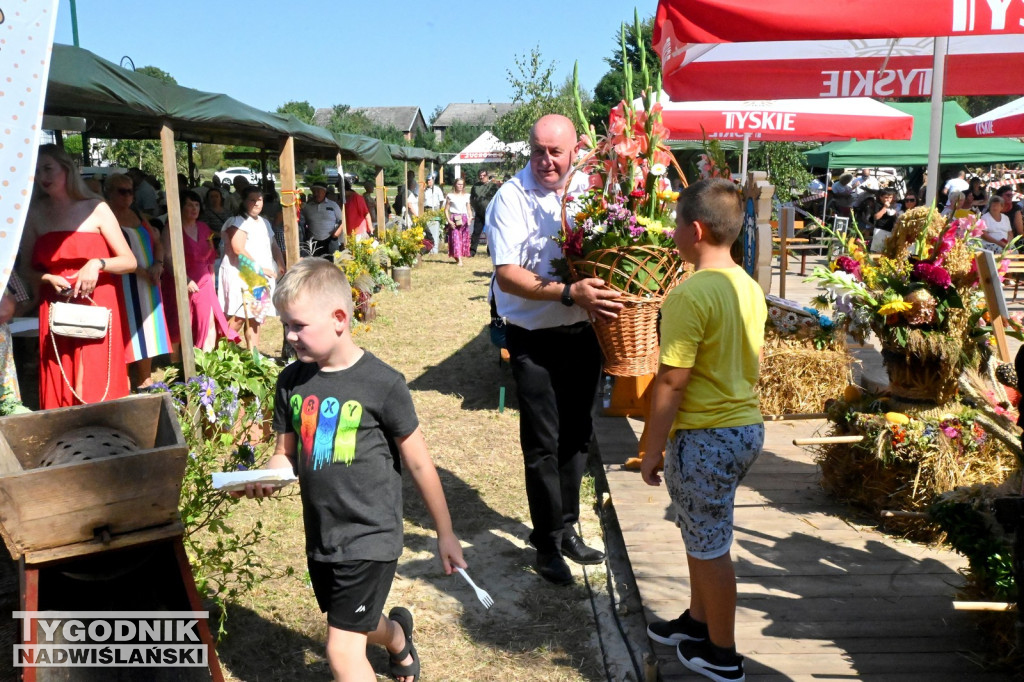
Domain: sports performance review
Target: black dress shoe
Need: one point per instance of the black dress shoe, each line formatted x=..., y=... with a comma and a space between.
x=573, y=547
x=552, y=567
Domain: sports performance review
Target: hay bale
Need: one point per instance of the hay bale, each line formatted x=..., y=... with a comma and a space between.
x=904, y=469
x=805, y=361
x=797, y=378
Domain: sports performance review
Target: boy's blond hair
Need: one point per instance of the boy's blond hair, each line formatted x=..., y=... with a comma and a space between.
x=319, y=279
x=716, y=204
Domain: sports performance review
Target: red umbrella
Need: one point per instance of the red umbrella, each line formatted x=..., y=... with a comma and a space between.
x=688, y=30
x=844, y=68
x=738, y=21
x=1004, y=121
x=817, y=120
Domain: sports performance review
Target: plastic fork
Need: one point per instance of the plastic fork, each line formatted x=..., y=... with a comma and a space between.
x=482, y=595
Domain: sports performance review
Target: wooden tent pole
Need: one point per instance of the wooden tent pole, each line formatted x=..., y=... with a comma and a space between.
x=188, y=357
x=344, y=199
x=191, y=165
x=381, y=197
x=421, y=180
x=289, y=200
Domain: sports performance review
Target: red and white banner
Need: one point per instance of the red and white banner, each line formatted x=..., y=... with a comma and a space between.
x=991, y=65
x=737, y=21
x=1004, y=121
x=795, y=120
x=27, y=39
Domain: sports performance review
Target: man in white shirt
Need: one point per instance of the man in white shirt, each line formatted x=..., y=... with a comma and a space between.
x=433, y=197
x=955, y=184
x=320, y=222
x=554, y=353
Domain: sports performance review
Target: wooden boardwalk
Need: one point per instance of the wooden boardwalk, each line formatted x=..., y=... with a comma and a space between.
x=820, y=597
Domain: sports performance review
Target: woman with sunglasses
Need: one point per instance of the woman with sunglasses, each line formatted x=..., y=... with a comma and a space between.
x=76, y=248
x=144, y=311
x=909, y=202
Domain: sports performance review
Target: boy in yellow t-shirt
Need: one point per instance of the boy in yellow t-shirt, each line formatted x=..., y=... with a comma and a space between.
x=704, y=409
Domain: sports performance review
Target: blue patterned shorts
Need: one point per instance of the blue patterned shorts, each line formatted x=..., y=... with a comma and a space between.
x=703, y=468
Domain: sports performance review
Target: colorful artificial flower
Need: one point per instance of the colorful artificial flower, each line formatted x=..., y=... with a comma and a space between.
x=894, y=307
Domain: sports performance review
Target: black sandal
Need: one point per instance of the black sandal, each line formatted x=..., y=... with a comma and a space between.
x=404, y=619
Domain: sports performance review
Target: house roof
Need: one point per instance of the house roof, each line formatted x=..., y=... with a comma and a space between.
x=400, y=118
x=484, y=113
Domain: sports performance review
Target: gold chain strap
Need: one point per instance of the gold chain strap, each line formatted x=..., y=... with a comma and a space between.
x=60, y=364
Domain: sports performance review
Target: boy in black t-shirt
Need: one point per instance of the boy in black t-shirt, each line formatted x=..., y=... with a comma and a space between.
x=345, y=423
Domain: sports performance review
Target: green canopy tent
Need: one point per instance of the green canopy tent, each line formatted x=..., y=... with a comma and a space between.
x=118, y=103
x=400, y=153
x=122, y=104
x=914, y=152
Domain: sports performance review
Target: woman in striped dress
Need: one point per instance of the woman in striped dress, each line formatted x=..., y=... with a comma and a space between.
x=143, y=310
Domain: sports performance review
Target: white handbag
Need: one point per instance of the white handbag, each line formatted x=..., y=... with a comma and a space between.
x=79, y=321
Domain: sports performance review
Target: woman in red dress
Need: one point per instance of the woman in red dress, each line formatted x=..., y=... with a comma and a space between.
x=76, y=247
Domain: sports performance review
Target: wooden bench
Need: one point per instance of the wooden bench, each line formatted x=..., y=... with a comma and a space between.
x=794, y=246
x=1016, y=271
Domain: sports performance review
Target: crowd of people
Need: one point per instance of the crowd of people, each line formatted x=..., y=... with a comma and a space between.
x=103, y=245
x=462, y=212
x=877, y=204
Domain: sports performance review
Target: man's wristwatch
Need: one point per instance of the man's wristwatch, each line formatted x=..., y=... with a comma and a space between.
x=567, y=297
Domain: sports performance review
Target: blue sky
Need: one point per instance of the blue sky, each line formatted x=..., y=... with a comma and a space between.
x=384, y=53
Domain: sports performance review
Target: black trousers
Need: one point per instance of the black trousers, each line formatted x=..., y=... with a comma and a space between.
x=478, y=229
x=556, y=372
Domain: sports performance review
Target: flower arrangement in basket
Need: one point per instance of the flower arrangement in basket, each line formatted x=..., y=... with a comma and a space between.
x=403, y=246
x=620, y=229
x=365, y=263
x=920, y=298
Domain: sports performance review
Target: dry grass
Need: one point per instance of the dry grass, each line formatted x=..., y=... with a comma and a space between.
x=437, y=336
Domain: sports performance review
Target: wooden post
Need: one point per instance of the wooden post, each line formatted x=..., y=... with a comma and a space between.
x=381, y=197
x=188, y=357
x=344, y=199
x=786, y=217
x=421, y=181
x=440, y=174
x=289, y=191
x=191, y=165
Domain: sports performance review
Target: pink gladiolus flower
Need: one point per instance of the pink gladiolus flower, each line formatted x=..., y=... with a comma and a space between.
x=595, y=181
x=628, y=148
x=979, y=227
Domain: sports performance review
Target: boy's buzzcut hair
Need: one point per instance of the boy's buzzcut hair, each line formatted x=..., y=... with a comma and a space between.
x=321, y=279
x=716, y=204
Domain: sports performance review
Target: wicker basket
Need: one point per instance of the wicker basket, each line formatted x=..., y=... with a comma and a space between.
x=630, y=341
x=643, y=275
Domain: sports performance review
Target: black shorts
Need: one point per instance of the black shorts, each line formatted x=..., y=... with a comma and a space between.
x=352, y=593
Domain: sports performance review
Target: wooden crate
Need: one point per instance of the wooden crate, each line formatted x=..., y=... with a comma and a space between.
x=78, y=508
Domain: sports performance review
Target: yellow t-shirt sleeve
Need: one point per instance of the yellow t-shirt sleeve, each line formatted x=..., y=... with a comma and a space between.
x=682, y=330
